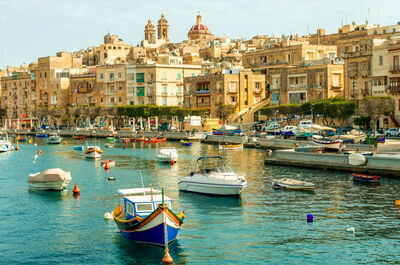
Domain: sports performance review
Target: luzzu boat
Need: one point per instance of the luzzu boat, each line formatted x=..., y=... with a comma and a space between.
x=328, y=143
x=365, y=178
x=186, y=143
x=146, y=216
x=93, y=152
x=53, y=139
x=292, y=184
x=76, y=137
x=231, y=146
x=155, y=140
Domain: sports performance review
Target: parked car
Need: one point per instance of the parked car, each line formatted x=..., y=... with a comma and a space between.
x=392, y=132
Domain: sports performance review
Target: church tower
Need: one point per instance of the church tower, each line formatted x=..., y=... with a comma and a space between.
x=150, y=32
x=162, y=29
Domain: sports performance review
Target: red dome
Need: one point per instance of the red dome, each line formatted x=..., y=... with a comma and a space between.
x=199, y=27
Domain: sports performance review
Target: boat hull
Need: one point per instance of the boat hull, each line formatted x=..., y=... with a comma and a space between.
x=293, y=186
x=6, y=147
x=167, y=159
x=213, y=189
x=332, y=145
x=366, y=178
x=150, y=230
x=60, y=185
x=230, y=147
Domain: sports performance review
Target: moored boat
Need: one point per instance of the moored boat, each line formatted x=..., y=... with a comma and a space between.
x=167, y=155
x=292, y=184
x=76, y=137
x=41, y=135
x=219, y=180
x=155, y=140
x=365, y=178
x=186, y=143
x=53, y=139
x=5, y=143
x=78, y=147
x=309, y=147
x=146, y=216
x=288, y=130
x=93, y=152
x=50, y=179
x=230, y=146
x=328, y=143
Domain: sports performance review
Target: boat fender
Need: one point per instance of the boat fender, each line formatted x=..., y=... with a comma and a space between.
x=357, y=159
x=310, y=218
x=350, y=229
x=35, y=144
x=397, y=202
x=108, y=216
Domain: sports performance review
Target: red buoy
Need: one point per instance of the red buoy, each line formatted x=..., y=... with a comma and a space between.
x=172, y=162
x=16, y=148
x=106, y=167
x=167, y=257
x=40, y=152
x=76, y=190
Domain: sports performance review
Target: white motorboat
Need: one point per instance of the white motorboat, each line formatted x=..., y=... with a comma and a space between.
x=288, y=130
x=292, y=184
x=50, y=179
x=219, y=180
x=167, y=155
x=305, y=124
x=53, y=139
x=93, y=152
x=273, y=127
x=5, y=143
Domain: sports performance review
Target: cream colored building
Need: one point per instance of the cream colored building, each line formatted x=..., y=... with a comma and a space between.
x=394, y=78
x=113, y=51
x=159, y=83
x=110, y=85
x=52, y=79
x=239, y=88
x=380, y=67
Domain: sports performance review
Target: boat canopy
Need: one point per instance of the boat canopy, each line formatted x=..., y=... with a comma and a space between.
x=133, y=191
x=226, y=127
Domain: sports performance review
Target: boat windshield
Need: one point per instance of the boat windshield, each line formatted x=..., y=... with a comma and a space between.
x=223, y=169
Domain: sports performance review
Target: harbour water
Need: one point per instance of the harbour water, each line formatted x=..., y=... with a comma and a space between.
x=264, y=226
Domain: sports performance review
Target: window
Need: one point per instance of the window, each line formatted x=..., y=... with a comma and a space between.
x=380, y=59
x=129, y=208
x=165, y=102
x=140, y=91
x=164, y=89
x=101, y=87
x=120, y=88
x=179, y=76
x=131, y=76
x=140, y=78
x=112, y=99
x=346, y=50
x=111, y=76
x=119, y=99
x=356, y=49
x=384, y=31
x=57, y=86
x=365, y=47
x=101, y=100
x=151, y=77
x=101, y=76
x=40, y=75
x=119, y=75
x=164, y=76
x=179, y=102
x=45, y=74
x=105, y=55
x=396, y=63
x=179, y=90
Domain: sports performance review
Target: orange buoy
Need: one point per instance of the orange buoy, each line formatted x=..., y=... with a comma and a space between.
x=106, y=167
x=172, y=162
x=16, y=148
x=167, y=257
x=111, y=178
x=397, y=202
x=76, y=189
x=40, y=152
x=65, y=142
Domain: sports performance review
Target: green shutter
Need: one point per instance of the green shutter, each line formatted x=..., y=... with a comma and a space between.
x=140, y=91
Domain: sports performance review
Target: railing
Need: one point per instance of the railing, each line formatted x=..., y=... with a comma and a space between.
x=110, y=92
x=232, y=90
x=203, y=104
x=202, y=91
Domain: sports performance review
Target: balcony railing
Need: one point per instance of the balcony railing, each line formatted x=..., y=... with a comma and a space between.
x=207, y=104
x=232, y=90
x=110, y=92
x=164, y=94
x=257, y=91
x=202, y=91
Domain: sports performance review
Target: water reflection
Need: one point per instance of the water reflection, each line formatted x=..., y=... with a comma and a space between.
x=131, y=252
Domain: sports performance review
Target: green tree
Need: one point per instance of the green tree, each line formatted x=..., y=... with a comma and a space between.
x=289, y=110
x=364, y=122
x=341, y=111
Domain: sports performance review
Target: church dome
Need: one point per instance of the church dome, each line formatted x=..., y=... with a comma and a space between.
x=198, y=29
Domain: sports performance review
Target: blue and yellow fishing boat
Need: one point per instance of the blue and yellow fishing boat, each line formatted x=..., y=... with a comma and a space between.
x=186, y=143
x=146, y=216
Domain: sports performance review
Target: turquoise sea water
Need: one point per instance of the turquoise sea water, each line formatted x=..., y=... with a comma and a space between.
x=264, y=226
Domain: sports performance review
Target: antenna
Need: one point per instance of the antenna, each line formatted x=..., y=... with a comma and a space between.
x=369, y=15
x=377, y=14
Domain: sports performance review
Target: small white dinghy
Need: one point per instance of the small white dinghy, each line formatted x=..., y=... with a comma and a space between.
x=292, y=184
x=50, y=179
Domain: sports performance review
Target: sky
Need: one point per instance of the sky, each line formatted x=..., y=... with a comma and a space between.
x=30, y=29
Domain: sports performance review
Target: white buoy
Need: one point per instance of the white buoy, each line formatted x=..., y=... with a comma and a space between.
x=350, y=229
x=36, y=156
x=35, y=144
x=33, y=162
x=108, y=216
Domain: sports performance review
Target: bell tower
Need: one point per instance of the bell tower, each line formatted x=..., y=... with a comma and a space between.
x=150, y=32
x=162, y=29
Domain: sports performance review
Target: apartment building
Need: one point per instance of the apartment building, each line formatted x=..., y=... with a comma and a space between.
x=83, y=89
x=159, y=83
x=239, y=88
x=110, y=85
x=394, y=77
x=318, y=80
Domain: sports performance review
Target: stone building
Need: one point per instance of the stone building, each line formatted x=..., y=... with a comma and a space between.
x=239, y=88
x=159, y=83
x=150, y=39
x=394, y=77
x=317, y=80
x=110, y=85
x=113, y=51
x=52, y=79
x=83, y=89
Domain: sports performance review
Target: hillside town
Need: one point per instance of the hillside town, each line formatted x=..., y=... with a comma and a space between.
x=206, y=71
